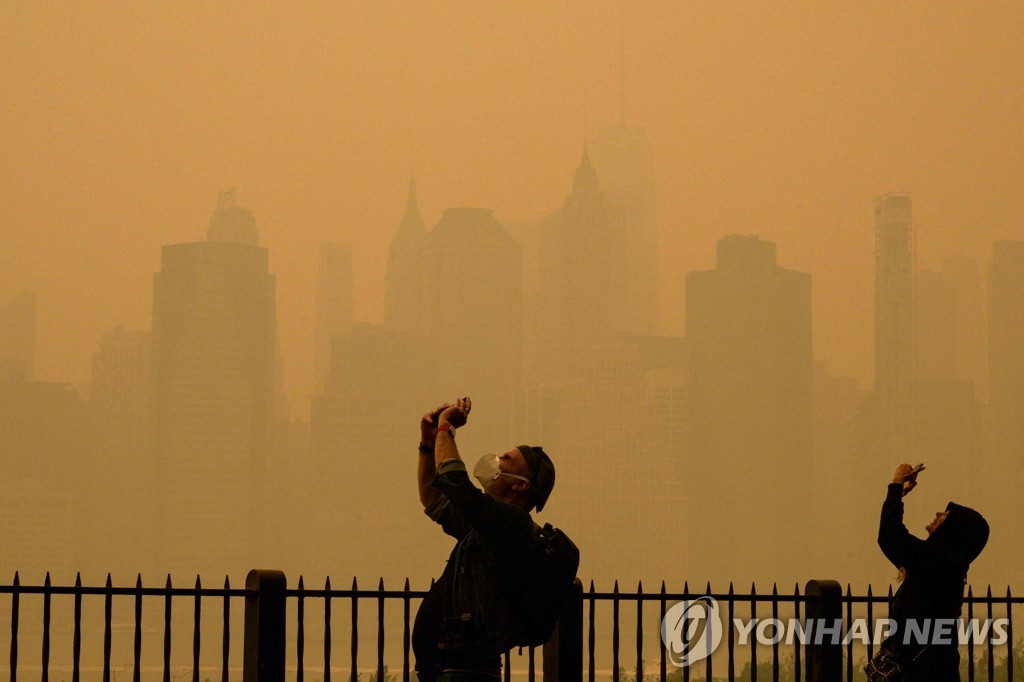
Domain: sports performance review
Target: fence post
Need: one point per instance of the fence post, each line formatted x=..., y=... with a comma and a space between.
x=263, y=660
x=563, y=653
x=824, y=652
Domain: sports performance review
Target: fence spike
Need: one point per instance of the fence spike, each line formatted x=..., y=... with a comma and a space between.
x=869, y=590
x=848, y=592
x=354, y=587
x=970, y=591
x=17, y=579
x=989, y=595
x=380, y=585
x=227, y=584
x=301, y=586
x=109, y=582
x=138, y=581
x=753, y=590
x=709, y=588
x=199, y=585
x=616, y=589
x=730, y=590
x=640, y=587
x=775, y=590
x=47, y=581
x=406, y=588
x=591, y=586
x=663, y=587
x=168, y=585
x=796, y=589
x=686, y=587
x=327, y=584
x=78, y=580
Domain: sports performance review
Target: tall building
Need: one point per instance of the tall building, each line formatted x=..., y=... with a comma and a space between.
x=333, y=304
x=749, y=381
x=935, y=326
x=404, y=288
x=624, y=163
x=583, y=276
x=213, y=380
x=894, y=323
x=1002, y=467
x=474, y=311
x=18, y=338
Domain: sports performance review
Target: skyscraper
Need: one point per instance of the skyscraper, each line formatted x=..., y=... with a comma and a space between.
x=333, y=304
x=624, y=164
x=1002, y=467
x=894, y=323
x=749, y=380
x=404, y=294
x=1006, y=351
x=214, y=352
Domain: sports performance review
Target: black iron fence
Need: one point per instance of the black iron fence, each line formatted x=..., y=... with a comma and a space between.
x=357, y=634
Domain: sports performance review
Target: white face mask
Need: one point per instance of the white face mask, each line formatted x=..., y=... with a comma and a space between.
x=487, y=469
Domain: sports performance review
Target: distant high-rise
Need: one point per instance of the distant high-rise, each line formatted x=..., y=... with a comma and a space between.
x=749, y=380
x=213, y=369
x=333, y=304
x=120, y=391
x=18, y=338
x=624, y=164
x=894, y=322
x=474, y=309
x=583, y=276
x=1006, y=353
x=404, y=293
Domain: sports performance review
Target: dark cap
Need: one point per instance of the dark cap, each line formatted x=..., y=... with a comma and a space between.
x=542, y=471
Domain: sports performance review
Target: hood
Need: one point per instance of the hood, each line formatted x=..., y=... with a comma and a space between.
x=964, y=532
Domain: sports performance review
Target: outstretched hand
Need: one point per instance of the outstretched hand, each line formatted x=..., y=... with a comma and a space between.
x=456, y=414
x=906, y=476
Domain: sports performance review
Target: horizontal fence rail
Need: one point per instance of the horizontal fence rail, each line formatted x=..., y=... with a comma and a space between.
x=330, y=632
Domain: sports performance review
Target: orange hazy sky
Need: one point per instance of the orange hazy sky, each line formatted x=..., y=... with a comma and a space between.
x=119, y=123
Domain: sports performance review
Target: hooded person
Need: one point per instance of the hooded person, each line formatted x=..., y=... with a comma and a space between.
x=934, y=574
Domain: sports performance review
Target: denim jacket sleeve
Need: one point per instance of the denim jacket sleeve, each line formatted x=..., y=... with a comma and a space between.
x=462, y=506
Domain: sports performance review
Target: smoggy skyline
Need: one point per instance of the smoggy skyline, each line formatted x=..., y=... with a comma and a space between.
x=123, y=123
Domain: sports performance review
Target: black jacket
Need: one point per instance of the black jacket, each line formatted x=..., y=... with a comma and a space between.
x=469, y=617
x=933, y=587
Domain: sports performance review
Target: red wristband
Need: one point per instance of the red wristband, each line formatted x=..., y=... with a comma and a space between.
x=446, y=427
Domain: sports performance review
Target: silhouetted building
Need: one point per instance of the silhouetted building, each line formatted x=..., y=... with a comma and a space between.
x=624, y=163
x=333, y=304
x=18, y=338
x=749, y=380
x=1006, y=392
x=405, y=293
x=214, y=355
x=584, y=275
x=47, y=475
x=474, y=311
x=894, y=324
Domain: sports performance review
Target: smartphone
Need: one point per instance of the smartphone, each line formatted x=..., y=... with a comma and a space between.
x=916, y=469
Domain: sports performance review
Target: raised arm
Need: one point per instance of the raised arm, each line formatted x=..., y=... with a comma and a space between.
x=426, y=467
x=899, y=546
